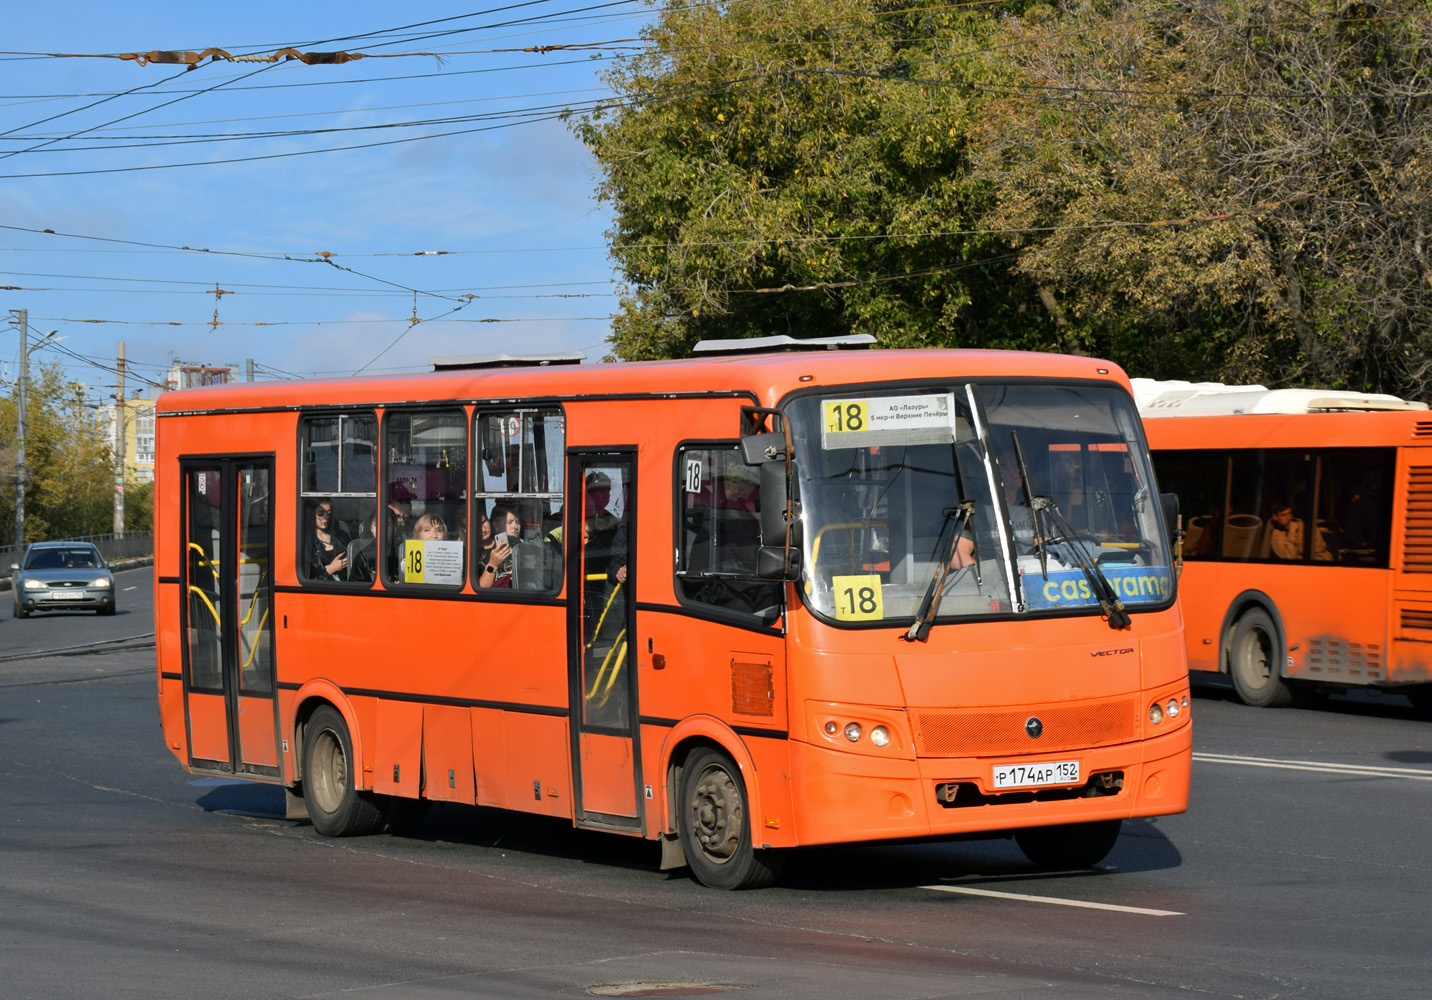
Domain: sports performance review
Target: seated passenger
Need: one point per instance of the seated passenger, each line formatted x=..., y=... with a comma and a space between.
x=327, y=546
x=430, y=527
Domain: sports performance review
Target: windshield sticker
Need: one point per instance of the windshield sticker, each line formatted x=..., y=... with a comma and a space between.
x=1070, y=587
x=893, y=420
x=858, y=598
x=430, y=561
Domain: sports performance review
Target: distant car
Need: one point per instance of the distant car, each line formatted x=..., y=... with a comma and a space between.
x=62, y=576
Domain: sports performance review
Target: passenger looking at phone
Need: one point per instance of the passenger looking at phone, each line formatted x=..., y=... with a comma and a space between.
x=497, y=570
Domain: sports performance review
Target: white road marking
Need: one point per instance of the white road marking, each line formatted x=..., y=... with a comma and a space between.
x=1363, y=770
x=128, y=589
x=970, y=890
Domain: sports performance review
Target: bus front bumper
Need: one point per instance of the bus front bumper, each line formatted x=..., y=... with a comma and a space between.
x=847, y=797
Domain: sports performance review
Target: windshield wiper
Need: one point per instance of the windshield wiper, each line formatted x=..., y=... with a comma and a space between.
x=1103, y=590
x=1047, y=515
x=1036, y=507
x=930, y=605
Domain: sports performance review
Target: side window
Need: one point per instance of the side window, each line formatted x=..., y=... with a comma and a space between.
x=519, y=486
x=718, y=533
x=337, y=498
x=424, y=520
x=1269, y=502
x=1354, y=507
x=1200, y=478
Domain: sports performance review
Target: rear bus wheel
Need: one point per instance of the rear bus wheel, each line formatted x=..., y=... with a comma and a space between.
x=715, y=826
x=1253, y=662
x=336, y=807
x=1075, y=845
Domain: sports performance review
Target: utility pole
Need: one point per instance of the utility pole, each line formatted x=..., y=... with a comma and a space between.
x=23, y=315
x=119, y=448
x=249, y=370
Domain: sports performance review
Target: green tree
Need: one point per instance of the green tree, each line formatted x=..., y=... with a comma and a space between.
x=68, y=460
x=1236, y=191
x=1239, y=191
x=803, y=168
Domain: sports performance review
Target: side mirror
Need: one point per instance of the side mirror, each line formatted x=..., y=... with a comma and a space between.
x=1168, y=502
x=758, y=449
x=779, y=557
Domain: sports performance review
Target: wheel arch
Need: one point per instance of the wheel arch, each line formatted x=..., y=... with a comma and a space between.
x=684, y=739
x=1247, y=600
x=311, y=697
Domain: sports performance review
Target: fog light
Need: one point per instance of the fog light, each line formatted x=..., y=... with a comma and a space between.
x=852, y=732
x=832, y=728
x=1155, y=713
x=880, y=736
x=1172, y=708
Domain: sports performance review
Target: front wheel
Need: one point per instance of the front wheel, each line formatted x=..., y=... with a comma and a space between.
x=336, y=807
x=18, y=611
x=1253, y=662
x=1075, y=845
x=715, y=826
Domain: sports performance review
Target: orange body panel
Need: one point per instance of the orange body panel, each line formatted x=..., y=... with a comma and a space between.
x=464, y=696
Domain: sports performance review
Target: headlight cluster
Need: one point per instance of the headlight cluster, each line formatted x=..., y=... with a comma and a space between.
x=101, y=582
x=1170, y=710
x=879, y=735
x=32, y=584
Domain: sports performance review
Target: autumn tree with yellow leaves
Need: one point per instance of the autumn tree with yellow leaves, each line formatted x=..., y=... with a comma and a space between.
x=1232, y=191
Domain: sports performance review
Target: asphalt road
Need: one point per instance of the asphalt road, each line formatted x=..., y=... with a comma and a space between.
x=1301, y=870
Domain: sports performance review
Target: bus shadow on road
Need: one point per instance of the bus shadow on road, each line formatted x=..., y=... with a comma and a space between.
x=1141, y=847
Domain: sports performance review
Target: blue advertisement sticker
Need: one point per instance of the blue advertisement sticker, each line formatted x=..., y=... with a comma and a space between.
x=1071, y=588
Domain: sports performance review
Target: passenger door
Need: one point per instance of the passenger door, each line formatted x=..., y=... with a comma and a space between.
x=601, y=574
x=231, y=710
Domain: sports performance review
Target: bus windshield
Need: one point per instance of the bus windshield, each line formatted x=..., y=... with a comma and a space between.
x=992, y=499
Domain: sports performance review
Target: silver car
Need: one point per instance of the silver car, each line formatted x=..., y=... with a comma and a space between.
x=62, y=576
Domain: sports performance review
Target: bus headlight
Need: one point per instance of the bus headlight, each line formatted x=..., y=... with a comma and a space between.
x=1172, y=709
x=1156, y=714
x=853, y=732
x=880, y=736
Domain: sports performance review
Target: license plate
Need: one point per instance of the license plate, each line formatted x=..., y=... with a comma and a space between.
x=1059, y=772
x=68, y=595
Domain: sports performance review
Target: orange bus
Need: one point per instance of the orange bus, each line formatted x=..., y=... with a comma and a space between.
x=735, y=604
x=1307, y=543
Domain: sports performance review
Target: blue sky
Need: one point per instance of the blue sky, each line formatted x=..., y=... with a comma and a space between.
x=509, y=202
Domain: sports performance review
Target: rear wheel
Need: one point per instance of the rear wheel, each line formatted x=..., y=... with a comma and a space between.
x=716, y=826
x=1253, y=662
x=336, y=807
x=1075, y=845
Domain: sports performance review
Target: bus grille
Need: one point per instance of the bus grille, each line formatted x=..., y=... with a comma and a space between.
x=1340, y=660
x=982, y=732
x=1417, y=535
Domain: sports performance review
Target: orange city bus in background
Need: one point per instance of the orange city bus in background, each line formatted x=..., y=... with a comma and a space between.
x=736, y=604
x=1307, y=541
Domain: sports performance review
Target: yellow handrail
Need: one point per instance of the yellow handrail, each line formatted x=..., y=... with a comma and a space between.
x=210, y=604
x=613, y=659
x=253, y=650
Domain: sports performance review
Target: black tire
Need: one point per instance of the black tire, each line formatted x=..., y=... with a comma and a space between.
x=335, y=806
x=715, y=826
x=107, y=609
x=1253, y=662
x=1075, y=845
x=19, y=612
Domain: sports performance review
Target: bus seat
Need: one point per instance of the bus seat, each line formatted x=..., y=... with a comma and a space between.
x=1241, y=535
